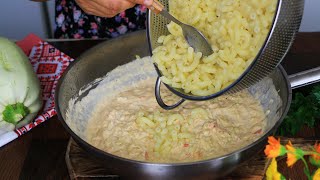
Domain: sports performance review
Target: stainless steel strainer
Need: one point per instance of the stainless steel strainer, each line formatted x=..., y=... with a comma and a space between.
x=285, y=24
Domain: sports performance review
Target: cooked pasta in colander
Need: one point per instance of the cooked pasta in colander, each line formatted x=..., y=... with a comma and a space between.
x=236, y=29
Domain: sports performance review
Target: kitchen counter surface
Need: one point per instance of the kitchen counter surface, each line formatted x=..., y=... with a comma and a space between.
x=40, y=153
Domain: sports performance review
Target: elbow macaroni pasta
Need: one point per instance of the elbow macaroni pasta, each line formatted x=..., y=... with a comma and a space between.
x=167, y=129
x=236, y=29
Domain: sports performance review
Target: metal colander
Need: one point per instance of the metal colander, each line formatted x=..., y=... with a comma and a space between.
x=286, y=23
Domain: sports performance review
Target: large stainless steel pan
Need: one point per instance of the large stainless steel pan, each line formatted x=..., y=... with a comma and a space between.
x=101, y=59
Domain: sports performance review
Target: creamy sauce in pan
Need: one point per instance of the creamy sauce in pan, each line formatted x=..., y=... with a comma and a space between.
x=229, y=123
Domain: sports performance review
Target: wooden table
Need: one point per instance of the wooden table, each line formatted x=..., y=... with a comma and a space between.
x=40, y=153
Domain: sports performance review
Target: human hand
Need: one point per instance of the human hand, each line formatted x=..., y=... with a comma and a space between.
x=108, y=8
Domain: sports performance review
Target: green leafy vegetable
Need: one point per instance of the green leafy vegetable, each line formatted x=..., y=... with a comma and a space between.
x=304, y=110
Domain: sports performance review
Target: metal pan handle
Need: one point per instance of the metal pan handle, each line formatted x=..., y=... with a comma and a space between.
x=159, y=99
x=305, y=78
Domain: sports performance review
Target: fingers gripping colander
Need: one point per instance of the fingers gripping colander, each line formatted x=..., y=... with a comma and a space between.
x=286, y=23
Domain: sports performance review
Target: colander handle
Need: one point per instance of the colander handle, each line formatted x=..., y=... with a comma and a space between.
x=156, y=7
x=160, y=101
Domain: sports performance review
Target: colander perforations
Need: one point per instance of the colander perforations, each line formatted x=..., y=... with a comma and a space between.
x=286, y=24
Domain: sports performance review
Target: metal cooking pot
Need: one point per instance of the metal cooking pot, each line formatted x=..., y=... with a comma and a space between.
x=104, y=57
